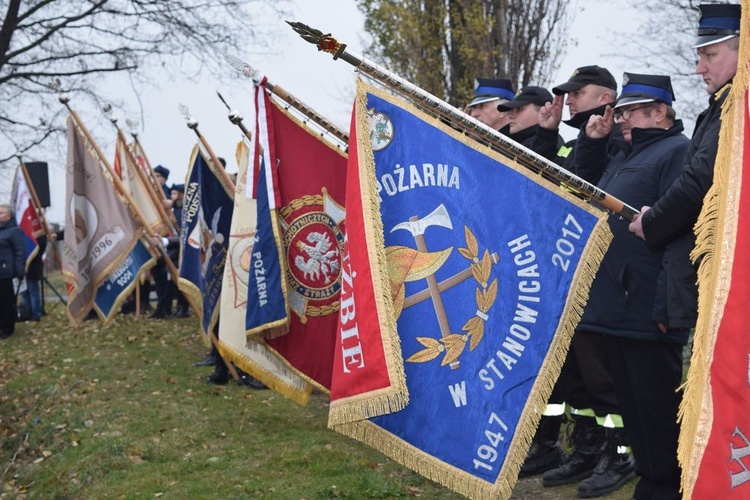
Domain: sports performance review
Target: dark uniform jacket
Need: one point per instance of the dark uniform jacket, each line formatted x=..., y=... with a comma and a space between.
x=565, y=154
x=623, y=294
x=36, y=266
x=12, y=251
x=542, y=141
x=671, y=220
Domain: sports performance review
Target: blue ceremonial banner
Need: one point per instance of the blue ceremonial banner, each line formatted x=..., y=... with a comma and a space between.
x=267, y=309
x=206, y=218
x=121, y=283
x=490, y=267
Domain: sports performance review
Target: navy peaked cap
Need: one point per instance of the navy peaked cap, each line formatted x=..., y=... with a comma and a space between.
x=488, y=89
x=718, y=22
x=587, y=75
x=163, y=171
x=638, y=89
x=528, y=95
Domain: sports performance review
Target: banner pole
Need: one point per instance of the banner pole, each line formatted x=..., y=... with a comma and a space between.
x=39, y=211
x=470, y=126
x=216, y=167
x=157, y=201
x=290, y=99
x=150, y=174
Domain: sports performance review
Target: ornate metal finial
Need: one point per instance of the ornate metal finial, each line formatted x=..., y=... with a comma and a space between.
x=110, y=113
x=234, y=116
x=56, y=85
x=191, y=122
x=244, y=67
x=132, y=126
x=324, y=42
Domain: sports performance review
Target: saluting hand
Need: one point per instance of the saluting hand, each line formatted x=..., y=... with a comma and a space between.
x=599, y=127
x=550, y=115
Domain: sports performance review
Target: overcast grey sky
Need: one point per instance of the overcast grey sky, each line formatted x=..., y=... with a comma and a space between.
x=313, y=77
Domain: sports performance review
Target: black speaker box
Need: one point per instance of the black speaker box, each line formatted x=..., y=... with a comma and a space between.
x=39, y=176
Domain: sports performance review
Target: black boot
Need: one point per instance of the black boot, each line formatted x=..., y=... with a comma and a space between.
x=181, y=312
x=249, y=381
x=220, y=376
x=545, y=452
x=158, y=314
x=587, y=439
x=210, y=359
x=613, y=470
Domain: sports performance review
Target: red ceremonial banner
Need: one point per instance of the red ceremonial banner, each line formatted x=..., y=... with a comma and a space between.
x=311, y=176
x=724, y=468
x=364, y=383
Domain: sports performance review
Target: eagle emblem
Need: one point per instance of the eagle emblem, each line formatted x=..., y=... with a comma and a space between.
x=314, y=240
x=322, y=259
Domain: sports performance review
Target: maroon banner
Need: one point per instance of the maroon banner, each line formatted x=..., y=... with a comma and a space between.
x=312, y=188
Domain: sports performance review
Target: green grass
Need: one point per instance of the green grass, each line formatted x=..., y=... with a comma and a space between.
x=120, y=412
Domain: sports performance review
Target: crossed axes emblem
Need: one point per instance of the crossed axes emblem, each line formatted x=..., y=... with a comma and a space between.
x=417, y=227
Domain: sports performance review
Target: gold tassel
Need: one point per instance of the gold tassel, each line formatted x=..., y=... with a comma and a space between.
x=715, y=242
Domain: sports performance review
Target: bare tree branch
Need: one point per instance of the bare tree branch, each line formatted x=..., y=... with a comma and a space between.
x=82, y=41
x=443, y=45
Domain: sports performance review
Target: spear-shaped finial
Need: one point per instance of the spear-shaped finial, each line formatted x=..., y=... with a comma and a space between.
x=56, y=85
x=282, y=94
x=324, y=42
x=110, y=113
x=244, y=67
x=234, y=116
x=132, y=126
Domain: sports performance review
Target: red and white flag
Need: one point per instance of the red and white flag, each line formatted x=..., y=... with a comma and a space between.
x=714, y=446
x=27, y=216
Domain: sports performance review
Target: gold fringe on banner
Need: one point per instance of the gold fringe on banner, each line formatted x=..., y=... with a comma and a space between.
x=715, y=246
x=279, y=327
x=300, y=394
x=396, y=396
x=351, y=421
